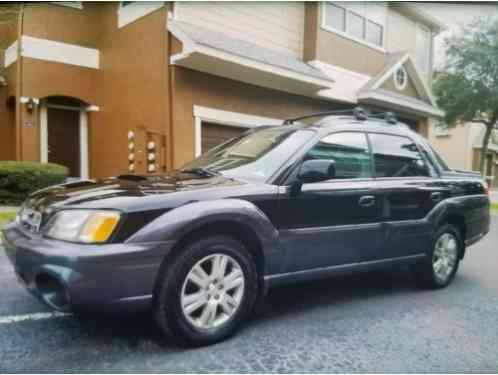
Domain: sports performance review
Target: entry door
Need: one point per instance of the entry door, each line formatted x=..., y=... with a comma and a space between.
x=334, y=222
x=64, y=139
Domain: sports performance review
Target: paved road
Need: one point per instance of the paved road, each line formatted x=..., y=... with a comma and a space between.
x=370, y=323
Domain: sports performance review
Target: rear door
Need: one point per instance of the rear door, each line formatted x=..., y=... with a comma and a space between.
x=333, y=222
x=408, y=191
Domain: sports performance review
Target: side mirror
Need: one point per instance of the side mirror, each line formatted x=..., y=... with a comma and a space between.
x=316, y=170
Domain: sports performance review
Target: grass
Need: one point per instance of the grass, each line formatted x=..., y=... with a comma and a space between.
x=6, y=217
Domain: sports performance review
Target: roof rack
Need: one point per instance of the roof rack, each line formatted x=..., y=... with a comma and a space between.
x=358, y=112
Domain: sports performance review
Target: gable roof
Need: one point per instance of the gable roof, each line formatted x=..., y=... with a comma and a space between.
x=372, y=91
x=395, y=61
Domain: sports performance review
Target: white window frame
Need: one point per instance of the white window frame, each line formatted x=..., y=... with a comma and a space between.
x=226, y=118
x=346, y=35
x=399, y=86
x=136, y=10
x=83, y=135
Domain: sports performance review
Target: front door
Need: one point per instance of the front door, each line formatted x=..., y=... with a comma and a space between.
x=333, y=222
x=64, y=139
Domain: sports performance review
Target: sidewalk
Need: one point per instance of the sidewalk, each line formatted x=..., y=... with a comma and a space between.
x=494, y=196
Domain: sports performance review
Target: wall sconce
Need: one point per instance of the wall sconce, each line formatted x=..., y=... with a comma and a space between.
x=30, y=103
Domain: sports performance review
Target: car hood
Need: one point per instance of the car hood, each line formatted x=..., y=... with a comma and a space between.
x=129, y=192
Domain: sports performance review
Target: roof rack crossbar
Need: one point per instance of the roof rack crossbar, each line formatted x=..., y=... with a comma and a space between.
x=357, y=112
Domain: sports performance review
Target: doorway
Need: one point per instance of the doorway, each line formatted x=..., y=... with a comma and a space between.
x=64, y=137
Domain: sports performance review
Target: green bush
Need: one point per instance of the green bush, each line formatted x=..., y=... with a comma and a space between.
x=19, y=179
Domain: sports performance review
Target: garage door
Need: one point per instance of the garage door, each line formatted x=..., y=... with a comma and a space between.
x=215, y=134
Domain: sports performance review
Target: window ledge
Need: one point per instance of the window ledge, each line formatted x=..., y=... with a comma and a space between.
x=354, y=39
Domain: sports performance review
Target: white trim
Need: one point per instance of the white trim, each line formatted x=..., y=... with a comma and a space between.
x=346, y=82
x=49, y=50
x=43, y=134
x=426, y=109
x=400, y=86
x=10, y=54
x=69, y=4
x=227, y=118
x=346, y=35
x=83, y=129
x=132, y=12
x=93, y=108
x=190, y=47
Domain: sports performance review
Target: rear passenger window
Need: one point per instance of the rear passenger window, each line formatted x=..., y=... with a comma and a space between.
x=396, y=156
x=349, y=151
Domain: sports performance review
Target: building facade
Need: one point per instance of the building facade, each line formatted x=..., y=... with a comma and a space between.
x=114, y=88
x=461, y=147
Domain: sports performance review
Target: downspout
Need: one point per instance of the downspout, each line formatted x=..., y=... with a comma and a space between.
x=170, y=94
x=20, y=24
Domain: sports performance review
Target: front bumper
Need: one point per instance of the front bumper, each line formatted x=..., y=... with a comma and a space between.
x=75, y=277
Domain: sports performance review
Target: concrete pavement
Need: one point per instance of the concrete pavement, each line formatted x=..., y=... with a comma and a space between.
x=377, y=322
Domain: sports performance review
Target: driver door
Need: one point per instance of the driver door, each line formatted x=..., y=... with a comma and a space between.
x=337, y=221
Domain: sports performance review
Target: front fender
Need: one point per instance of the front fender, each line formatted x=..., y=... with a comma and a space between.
x=176, y=223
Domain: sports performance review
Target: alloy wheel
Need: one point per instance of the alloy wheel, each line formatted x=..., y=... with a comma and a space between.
x=445, y=257
x=212, y=291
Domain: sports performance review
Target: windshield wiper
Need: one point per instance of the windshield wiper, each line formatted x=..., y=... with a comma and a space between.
x=200, y=171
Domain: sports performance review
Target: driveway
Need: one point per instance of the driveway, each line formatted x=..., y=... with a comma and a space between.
x=376, y=322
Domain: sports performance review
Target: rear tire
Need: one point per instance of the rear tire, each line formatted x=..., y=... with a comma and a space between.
x=206, y=291
x=441, y=265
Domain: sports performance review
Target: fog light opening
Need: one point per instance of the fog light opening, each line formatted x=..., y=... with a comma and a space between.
x=52, y=292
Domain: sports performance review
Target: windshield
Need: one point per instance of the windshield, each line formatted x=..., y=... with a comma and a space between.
x=254, y=155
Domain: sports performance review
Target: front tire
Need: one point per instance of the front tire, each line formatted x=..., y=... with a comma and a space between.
x=439, y=270
x=207, y=291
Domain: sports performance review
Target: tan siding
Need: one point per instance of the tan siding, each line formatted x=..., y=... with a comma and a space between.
x=455, y=149
x=194, y=88
x=343, y=52
x=401, y=33
x=278, y=26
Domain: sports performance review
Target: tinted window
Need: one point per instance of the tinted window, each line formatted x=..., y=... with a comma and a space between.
x=397, y=157
x=349, y=151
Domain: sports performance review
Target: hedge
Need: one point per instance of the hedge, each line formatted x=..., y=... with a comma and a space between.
x=19, y=179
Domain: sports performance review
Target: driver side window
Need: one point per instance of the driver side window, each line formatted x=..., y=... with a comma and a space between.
x=348, y=150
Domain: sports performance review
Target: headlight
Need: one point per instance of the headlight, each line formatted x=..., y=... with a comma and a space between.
x=87, y=226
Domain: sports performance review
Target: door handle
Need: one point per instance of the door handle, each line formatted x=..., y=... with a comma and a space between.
x=436, y=196
x=367, y=201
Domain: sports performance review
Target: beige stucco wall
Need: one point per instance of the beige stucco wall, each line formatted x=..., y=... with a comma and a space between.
x=456, y=148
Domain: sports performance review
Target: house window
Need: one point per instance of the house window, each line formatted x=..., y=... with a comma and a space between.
x=400, y=78
x=359, y=21
x=423, y=49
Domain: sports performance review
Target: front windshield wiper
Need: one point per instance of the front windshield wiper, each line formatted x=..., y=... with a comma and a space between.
x=200, y=171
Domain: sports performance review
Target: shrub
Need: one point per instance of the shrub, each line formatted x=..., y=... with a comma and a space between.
x=19, y=179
